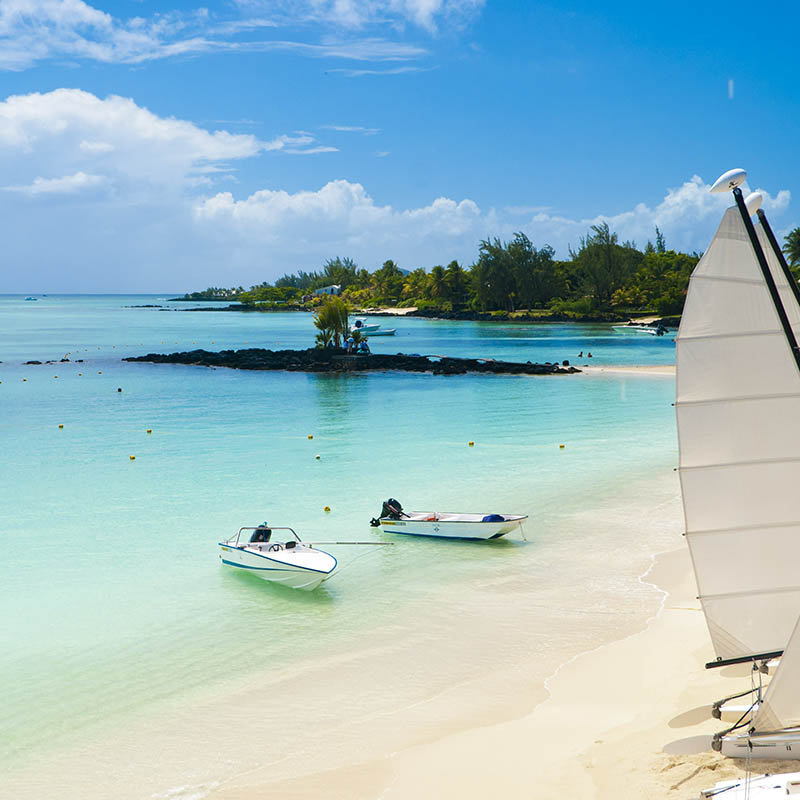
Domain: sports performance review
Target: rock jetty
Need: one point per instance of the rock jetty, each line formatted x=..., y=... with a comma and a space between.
x=331, y=360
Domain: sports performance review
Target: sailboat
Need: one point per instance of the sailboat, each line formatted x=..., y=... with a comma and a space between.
x=738, y=417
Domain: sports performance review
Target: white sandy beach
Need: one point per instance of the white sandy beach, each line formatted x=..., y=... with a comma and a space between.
x=630, y=719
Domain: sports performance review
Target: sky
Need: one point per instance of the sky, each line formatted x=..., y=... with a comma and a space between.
x=163, y=145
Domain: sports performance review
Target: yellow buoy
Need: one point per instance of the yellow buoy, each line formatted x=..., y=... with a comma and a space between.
x=60, y=425
x=327, y=508
x=55, y=376
x=310, y=435
x=149, y=430
x=132, y=458
x=561, y=447
x=471, y=444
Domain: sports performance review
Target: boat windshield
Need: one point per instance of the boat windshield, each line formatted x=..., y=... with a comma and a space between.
x=260, y=533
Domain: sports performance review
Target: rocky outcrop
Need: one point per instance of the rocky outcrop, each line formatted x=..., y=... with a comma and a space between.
x=331, y=360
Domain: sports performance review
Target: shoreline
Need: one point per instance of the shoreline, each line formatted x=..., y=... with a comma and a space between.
x=627, y=719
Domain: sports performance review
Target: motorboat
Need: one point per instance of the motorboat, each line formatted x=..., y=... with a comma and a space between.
x=277, y=555
x=445, y=524
x=658, y=330
x=370, y=329
x=362, y=326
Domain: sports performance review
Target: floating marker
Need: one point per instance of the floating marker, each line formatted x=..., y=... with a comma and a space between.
x=60, y=425
x=317, y=456
x=561, y=447
x=149, y=430
x=80, y=374
x=55, y=376
x=310, y=435
x=132, y=458
x=327, y=509
x=24, y=379
x=118, y=389
x=471, y=444
x=99, y=372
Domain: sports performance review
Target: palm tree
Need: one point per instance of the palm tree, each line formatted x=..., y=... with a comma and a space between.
x=331, y=319
x=792, y=247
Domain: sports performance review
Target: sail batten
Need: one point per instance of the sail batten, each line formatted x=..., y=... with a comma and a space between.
x=738, y=415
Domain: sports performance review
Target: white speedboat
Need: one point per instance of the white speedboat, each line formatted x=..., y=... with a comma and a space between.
x=362, y=326
x=446, y=524
x=370, y=329
x=648, y=329
x=381, y=332
x=277, y=555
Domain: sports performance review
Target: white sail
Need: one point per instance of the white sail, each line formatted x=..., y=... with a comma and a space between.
x=780, y=707
x=787, y=295
x=738, y=414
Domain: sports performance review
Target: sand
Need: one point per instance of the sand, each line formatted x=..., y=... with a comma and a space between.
x=630, y=719
x=651, y=369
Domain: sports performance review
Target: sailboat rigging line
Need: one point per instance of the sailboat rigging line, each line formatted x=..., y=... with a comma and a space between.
x=768, y=279
x=787, y=273
x=724, y=662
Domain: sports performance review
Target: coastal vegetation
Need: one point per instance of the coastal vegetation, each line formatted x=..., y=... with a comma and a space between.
x=602, y=277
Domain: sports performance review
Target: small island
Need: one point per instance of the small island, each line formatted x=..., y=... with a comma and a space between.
x=337, y=360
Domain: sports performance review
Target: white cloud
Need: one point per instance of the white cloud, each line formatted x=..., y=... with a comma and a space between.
x=32, y=31
x=131, y=201
x=69, y=184
x=687, y=216
x=351, y=129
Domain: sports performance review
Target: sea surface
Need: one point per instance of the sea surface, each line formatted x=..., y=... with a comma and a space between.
x=134, y=665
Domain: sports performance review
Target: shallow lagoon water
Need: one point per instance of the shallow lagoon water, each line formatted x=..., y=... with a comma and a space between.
x=123, y=634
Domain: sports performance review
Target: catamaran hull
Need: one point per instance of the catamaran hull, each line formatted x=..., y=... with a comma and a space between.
x=451, y=530
x=762, y=787
x=297, y=568
x=783, y=745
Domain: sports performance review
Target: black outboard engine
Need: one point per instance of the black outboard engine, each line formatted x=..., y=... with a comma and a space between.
x=391, y=509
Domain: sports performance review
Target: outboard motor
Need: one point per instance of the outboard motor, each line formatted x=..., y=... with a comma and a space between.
x=391, y=509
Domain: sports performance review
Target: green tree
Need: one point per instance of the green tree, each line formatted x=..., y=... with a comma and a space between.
x=388, y=281
x=792, y=247
x=437, y=283
x=330, y=318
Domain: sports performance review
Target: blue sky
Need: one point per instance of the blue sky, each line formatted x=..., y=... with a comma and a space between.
x=159, y=145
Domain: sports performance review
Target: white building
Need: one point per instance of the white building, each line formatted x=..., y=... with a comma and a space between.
x=335, y=289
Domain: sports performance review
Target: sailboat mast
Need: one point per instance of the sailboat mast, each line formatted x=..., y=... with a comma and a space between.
x=768, y=279
x=787, y=273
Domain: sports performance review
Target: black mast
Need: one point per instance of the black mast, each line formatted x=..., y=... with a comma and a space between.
x=765, y=271
x=787, y=273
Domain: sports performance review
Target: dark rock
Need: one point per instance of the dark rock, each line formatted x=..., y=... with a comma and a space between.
x=33, y=362
x=331, y=360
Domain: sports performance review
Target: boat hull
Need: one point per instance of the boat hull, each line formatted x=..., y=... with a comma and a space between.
x=298, y=568
x=761, y=787
x=445, y=528
x=783, y=745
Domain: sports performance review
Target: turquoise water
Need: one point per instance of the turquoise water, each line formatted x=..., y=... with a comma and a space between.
x=119, y=621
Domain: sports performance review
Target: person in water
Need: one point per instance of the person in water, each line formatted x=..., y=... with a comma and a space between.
x=261, y=533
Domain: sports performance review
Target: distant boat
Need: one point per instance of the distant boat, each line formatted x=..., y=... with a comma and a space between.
x=658, y=330
x=31, y=298
x=446, y=524
x=274, y=556
x=371, y=329
x=362, y=326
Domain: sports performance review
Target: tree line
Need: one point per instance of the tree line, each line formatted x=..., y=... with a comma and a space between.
x=602, y=274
